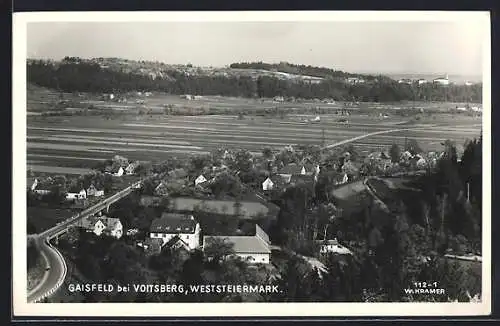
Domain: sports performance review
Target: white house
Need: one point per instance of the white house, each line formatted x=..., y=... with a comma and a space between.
x=120, y=172
x=340, y=179
x=76, y=195
x=33, y=186
x=254, y=249
x=200, y=180
x=317, y=119
x=130, y=169
x=422, y=81
x=171, y=225
x=103, y=225
x=268, y=184
x=332, y=246
x=92, y=191
x=442, y=80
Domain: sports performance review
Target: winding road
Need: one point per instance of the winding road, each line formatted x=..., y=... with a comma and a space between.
x=55, y=270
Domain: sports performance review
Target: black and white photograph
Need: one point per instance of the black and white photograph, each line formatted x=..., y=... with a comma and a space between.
x=335, y=162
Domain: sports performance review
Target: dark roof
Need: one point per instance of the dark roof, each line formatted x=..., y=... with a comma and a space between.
x=176, y=239
x=173, y=223
x=291, y=169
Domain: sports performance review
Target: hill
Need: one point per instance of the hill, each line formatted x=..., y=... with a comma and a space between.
x=113, y=75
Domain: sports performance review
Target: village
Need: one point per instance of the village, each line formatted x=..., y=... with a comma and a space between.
x=229, y=183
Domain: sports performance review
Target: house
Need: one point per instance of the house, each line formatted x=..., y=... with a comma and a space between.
x=332, y=247
x=340, y=179
x=176, y=243
x=405, y=81
x=76, y=195
x=103, y=225
x=92, y=191
x=422, y=81
x=354, y=80
x=171, y=225
x=268, y=184
x=442, y=80
x=406, y=156
x=200, y=180
x=278, y=99
x=119, y=172
x=292, y=169
x=421, y=163
x=254, y=249
x=130, y=169
x=161, y=189
x=38, y=188
x=468, y=83
x=317, y=119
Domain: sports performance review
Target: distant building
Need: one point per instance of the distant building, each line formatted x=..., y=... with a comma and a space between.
x=468, y=83
x=254, y=249
x=92, y=191
x=278, y=99
x=76, y=195
x=442, y=80
x=200, y=180
x=268, y=184
x=405, y=81
x=171, y=225
x=130, y=169
x=355, y=80
x=422, y=81
x=332, y=247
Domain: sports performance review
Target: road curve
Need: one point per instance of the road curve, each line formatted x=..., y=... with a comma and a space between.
x=53, y=277
x=56, y=269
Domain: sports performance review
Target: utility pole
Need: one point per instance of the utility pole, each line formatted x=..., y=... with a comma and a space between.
x=323, y=136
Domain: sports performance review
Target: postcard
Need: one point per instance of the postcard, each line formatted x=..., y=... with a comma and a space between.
x=251, y=164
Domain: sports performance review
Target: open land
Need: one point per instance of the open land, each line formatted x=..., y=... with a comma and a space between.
x=74, y=144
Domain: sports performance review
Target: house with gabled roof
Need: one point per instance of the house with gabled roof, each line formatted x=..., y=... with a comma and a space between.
x=171, y=225
x=254, y=249
x=199, y=180
x=93, y=191
x=268, y=184
x=332, y=247
x=130, y=169
x=102, y=225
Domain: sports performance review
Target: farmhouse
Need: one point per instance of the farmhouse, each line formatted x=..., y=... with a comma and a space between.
x=268, y=184
x=442, y=80
x=92, y=191
x=171, y=225
x=76, y=195
x=200, y=180
x=422, y=81
x=254, y=249
x=103, y=225
x=332, y=247
x=130, y=169
x=38, y=188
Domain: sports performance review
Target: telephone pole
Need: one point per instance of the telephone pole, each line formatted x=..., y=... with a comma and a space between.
x=323, y=136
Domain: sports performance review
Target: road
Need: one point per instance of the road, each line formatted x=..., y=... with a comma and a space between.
x=56, y=266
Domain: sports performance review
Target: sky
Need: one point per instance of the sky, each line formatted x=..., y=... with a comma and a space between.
x=423, y=47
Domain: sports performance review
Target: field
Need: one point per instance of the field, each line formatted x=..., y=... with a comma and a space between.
x=45, y=218
x=74, y=144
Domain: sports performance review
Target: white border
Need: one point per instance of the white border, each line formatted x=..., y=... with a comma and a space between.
x=22, y=308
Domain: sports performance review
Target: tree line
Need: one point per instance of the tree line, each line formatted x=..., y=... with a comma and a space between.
x=69, y=76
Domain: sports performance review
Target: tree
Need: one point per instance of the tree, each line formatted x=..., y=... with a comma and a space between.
x=395, y=153
x=217, y=249
x=413, y=147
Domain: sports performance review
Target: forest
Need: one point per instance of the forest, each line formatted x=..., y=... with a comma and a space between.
x=69, y=76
